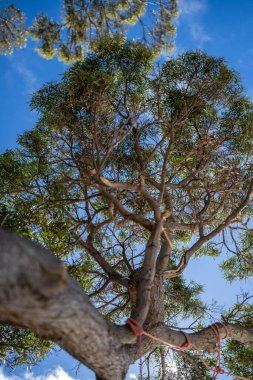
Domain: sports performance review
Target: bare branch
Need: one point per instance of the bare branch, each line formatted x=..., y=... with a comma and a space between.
x=114, y=275
x=188, y=254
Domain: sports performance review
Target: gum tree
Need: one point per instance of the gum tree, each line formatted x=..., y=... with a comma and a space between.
x=132, y=171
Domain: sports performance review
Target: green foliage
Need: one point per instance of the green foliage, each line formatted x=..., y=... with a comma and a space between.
x=164, y=26
x=239, y=266
x=13, y=221
x=114, y=116
x=42, y=178
x=47, y=31
x=80, y=272
x=186, y=370
x=82, y=24
x=238, y=358
x=208, y=249
x=12, y=26
x=182, y=299
x=19, y=346
x=12, y=168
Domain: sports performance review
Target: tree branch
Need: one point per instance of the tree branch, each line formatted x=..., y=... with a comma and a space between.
x=147, y=274
x=139, y=189
x=112, y=273
x=36, y=293
x=188, y=254
x=204, y=339
x=125, y=213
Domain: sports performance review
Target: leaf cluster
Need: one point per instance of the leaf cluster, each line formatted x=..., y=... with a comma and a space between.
x=81, y=25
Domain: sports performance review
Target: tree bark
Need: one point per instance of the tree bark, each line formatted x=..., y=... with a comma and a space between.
x=36, y=293
x=147, y=275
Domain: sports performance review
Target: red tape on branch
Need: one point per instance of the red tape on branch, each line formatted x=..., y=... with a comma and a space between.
x=217, y=368
x=139, y=331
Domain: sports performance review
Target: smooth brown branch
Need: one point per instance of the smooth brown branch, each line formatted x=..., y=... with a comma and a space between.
x=163, y=257
x=204, y=339
x=138, y=189
x=108, y=269
x=138, y=219
x=147, y=274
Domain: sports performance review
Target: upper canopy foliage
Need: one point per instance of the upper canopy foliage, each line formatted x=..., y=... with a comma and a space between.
x=82, y=23
x=121, y=143
x=12, y=29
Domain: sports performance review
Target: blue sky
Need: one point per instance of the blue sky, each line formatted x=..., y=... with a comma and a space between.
x=219, y=27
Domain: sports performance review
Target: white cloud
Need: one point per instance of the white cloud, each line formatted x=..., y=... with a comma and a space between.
x=19, y=70
x=198, y=33
x=191, y=7
x=190, y=12
x=57, y=374
x=29, y=78
x=132, y=376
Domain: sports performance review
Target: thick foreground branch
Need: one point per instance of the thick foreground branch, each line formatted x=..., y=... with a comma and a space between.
x=36, y=293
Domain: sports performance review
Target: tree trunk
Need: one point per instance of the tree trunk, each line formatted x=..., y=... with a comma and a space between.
x=156, y=310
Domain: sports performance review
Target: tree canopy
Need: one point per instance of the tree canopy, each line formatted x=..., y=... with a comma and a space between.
x=82, y=23
x=12, y=29
x=132, y=169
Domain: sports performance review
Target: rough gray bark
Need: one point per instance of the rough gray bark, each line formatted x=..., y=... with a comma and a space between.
x=36, y=293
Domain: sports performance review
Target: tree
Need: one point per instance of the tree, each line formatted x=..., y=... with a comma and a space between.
x=132, y=169
x=83, y=23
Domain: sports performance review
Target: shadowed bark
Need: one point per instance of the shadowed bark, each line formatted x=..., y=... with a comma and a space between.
x=36, y=293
